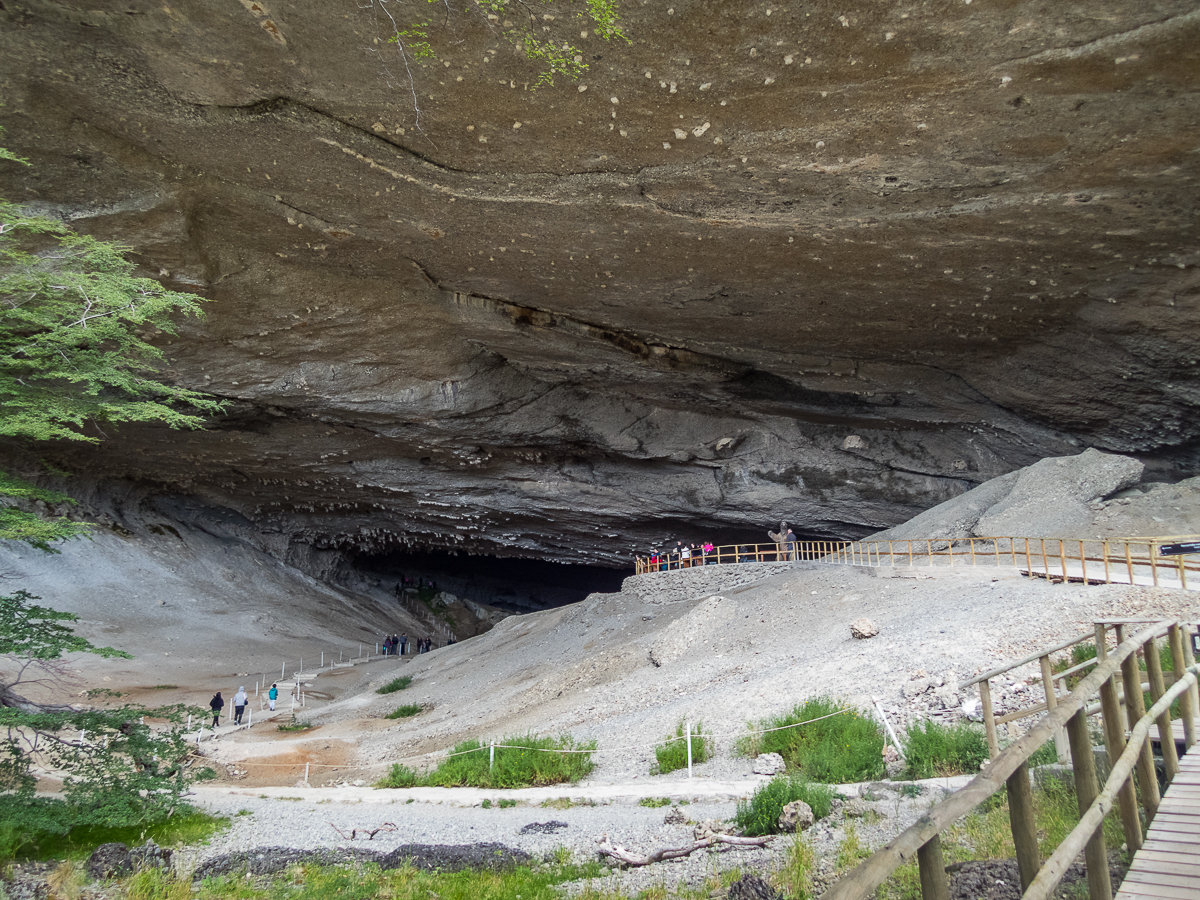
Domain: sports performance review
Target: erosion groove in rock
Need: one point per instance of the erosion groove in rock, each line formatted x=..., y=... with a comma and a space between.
x=832, y=264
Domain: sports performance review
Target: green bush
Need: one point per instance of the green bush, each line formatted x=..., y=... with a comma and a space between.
x=396, y=684
x=837, y=750
x=654, y=802
x=520, y=762
x=406, y=711
x=760, y=814
x=1044, y=755
x=935, y=750
x=673, y=754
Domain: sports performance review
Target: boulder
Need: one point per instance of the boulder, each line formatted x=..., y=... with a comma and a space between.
x=751, y=887
x=708, y=827
x=675, y=817
x=769, y=764
x=855, y=808
x=863, y=628
x=796, y=816
x=109, y=861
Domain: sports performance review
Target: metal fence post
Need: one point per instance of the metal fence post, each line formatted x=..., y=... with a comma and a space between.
x=688, y=728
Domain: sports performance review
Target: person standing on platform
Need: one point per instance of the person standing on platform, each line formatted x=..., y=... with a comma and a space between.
x=272, y=696
x=216, y=704
x=239, y=705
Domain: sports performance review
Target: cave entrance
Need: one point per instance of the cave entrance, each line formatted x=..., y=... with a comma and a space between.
x=513, y=584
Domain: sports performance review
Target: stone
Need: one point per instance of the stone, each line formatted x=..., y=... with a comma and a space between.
x=855, y=808
x=706, y=828
x=752, y=887
x=796, y=816
x=863, y=628
x=110, y=861
x=769, y=764
x=675, y=816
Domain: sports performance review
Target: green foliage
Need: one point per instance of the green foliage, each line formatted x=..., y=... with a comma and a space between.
x=795, y=875
x=51, y=833
x=837, y=750
x=407, y=711
x=850, y=850
x=296, y=724
x=75, y=351
x=1043, y=756
x=933, y=750
x=313, y=882
x=760, y=814
x=654, y=802
x=34, y=632
x=542, y=38
x=396, y=684
x=523, y=761
x=673, y=754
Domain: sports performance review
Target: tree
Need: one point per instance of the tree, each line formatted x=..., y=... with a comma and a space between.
x=118, y=769
x=75, y=325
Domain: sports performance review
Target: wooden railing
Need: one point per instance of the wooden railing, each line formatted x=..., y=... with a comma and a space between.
x=1010, y=769
x=1112, y=561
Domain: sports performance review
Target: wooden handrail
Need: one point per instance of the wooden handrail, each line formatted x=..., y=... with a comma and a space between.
x=869, y=875
x=1060, y=860
x=1028, y=659
x=1113, y=556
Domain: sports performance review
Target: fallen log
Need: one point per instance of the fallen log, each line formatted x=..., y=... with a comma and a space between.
x=632, y=859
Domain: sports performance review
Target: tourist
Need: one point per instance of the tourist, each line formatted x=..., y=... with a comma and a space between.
x=403, y=642
x=239, y=705
x=216, y=704
x=272, y=696
x=789, y=544
x=387, y=644
x=685, y=556
x=708, y=550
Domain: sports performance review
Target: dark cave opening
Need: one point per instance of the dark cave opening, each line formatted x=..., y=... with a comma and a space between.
x=511, y=583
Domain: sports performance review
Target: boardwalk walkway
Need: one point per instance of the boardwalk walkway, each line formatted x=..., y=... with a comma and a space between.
x=1168, y=865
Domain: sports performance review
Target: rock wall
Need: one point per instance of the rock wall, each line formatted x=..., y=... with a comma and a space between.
x=688, y=584
x=834, y=263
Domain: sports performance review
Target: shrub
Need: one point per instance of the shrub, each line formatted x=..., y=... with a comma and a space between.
x=934, y=750
x=760, y=814
x=835, y=750
x=396, y=684
x=406, y=711
x=654, y=802
x=795, y=875
x=673, y=754
x=520, y=762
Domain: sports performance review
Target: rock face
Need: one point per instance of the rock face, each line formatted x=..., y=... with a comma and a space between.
x=827, y=263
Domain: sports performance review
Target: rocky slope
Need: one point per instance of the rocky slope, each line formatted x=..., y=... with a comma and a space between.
x=830, y=262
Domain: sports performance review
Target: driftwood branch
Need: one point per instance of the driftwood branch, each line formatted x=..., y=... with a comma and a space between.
x=369, y=832
x=632, y=859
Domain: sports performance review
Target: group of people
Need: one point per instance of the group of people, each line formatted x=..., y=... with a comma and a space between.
x=240, y=701
x=397, y=645
x=682, y=556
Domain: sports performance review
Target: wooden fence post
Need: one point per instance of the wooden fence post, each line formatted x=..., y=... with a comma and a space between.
x=1189, y=659
x=1060, y=737
x=1135, y=706
x=1114, y=744
x=1086, y=790
x=1187, y=708
x=934, y=885
x=1158, y=687
x=989, y=720
x=1024, y=828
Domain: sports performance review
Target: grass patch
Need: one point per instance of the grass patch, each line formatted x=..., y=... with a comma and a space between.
x=933, y=750
x=760, y=814
x=396, y=684
x=44, y=831
x=295, y=725
x=311, y=882
x=407, y=711
x=654, y=802
x=794, y=877
x=166, y=687
x=524, y=761
x=673, y=754
x=1045, y=755
x=836, y=750
x=850, y=850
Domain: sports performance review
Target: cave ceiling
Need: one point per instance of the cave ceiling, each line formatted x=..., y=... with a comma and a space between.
x=829, y=262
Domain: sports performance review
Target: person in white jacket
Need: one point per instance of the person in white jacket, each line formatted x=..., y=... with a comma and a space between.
x=239, y=705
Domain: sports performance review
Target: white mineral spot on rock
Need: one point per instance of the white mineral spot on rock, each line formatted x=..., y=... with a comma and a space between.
x=582, y=88
x=613, y=100
x=807, y=60
x=674, y=87
x=706, y=86
x=680, y=134
x=470, y=128
x=754, y=51
x=666, y=145
x=889, y=35
x=722, y=102
x=922, y=126
x=853, y=442
x=700, y=129
x=820, y=145
x=483, y=140
x=845, y=22
x=789, y=59
x=583, y=34
x=671, y=11
x=516, y=125
x=718, y=140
